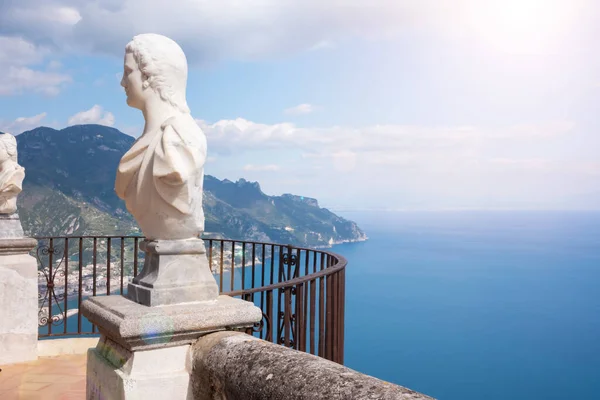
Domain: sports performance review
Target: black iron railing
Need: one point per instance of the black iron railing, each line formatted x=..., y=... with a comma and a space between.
x=300, y=290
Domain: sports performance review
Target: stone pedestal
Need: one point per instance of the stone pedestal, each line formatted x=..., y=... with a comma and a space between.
x=144, y=349
x=138, y=327
x=114, y=373
x=18, y=293
x=10, y=226
x=143, y=352
x=175, y=271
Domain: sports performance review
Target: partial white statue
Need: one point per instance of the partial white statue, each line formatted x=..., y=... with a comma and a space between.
x=161, y=176
x=11, y=174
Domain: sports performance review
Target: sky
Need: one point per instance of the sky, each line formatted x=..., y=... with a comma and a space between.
x=362, y=104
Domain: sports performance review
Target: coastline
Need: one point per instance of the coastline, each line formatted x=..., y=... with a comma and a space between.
x=336, y=242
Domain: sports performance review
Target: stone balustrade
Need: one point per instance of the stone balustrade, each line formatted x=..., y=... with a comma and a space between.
x=235, y=366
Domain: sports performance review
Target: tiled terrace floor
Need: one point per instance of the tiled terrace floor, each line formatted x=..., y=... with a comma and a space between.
x=48, y=378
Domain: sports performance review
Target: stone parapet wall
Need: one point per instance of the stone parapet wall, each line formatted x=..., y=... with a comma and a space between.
x=18, y=300
x=236, y=366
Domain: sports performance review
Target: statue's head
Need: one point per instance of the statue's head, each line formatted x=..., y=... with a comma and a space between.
x=155, y=66
x=8, y=147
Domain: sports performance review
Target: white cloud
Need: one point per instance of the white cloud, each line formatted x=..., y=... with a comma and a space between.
x=262, y=168
x=30, y=18
x=54, y=65
x=95, y=115
x=16, y=80
x=410, y=166
x=61, y=15
x=17, y=51
x=344, y=161
x=300, y=109
x=235, y=136
x=208, y=30
x=539, y=164
x=325, y=44
x=540, y=130
x=23, y=124
x=546, y=165
x=17, y=60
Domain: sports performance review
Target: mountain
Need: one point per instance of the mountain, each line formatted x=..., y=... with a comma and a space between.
x=69, y=190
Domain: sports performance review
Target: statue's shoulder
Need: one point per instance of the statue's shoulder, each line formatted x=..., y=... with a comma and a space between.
x=181, y=124
x=185, y=128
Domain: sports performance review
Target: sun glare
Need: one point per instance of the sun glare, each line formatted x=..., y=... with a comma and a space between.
x=522, y=26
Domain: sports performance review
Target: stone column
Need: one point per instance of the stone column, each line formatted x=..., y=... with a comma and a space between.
x=18, y=270
x=18, y=293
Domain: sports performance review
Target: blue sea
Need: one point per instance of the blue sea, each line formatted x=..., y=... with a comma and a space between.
x=477, y=305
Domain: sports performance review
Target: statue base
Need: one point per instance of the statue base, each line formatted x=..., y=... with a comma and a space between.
x=144, y=352
x=137, y=327
x=175, y=272
x=10, y=226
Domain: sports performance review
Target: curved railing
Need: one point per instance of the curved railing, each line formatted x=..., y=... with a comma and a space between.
x=300, y=290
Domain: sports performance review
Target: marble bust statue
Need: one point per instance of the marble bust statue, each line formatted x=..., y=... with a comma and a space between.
x=11, y=174
x=161, y=177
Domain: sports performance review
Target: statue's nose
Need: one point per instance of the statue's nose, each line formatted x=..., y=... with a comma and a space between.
x=123, y=82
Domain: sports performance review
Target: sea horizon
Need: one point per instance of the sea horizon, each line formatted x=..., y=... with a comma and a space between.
x=476, y=305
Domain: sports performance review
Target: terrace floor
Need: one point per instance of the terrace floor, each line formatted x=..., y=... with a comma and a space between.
x=49, y=378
